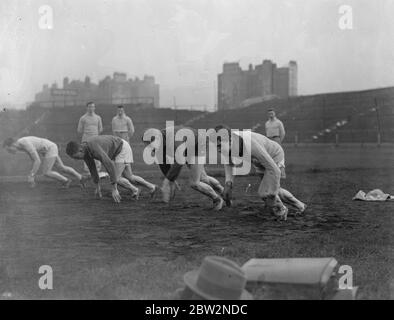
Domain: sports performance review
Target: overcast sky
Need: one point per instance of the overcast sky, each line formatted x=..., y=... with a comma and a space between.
x=184, y=43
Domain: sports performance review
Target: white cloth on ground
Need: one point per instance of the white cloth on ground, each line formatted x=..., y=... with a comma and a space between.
x=373, y=195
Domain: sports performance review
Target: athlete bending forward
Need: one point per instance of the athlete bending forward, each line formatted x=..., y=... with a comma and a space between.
x=267, y=157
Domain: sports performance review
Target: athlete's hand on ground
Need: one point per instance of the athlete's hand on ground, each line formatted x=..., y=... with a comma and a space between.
x=97, y=192
x=115, y=194
x=228, y=193
x=30, y=180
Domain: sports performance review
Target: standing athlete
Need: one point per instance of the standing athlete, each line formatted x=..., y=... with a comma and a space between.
x=122, y=125
x=267, y=157
x=199, y=180
x=274, y=128
x=117, y=157
x=90, y=125
x=35, y=147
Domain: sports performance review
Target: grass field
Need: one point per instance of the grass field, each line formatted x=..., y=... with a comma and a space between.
x=140, y=250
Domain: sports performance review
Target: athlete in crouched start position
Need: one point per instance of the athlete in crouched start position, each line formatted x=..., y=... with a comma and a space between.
x=199, y=180
x=117, y=157
x=34, y=147
x=267, y=157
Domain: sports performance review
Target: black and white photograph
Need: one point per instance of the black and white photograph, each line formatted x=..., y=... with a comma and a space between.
x=171, y=150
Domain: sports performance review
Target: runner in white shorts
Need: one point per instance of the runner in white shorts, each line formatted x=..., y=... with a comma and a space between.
x=126, y=154
x=117, y=157
x=34, y=147
x=268, y=158
x=123, y=162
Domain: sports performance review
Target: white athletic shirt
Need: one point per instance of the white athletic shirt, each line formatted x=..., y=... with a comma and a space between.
x=265, y=153
x=90, y=126
x=273, y=148
x=40, y=145
x=274, y=128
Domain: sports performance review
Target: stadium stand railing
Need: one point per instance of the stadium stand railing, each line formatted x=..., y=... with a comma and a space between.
x=351, y=117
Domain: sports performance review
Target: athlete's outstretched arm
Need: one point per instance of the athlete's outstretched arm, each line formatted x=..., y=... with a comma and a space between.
x=111, y=169
x=113, y=126
x=130, y=126
x=282, y=131
x=173, y=172
x=36, y=163
x=100, y=125
x=91, y=164
x=80, y=126
x=35, y=158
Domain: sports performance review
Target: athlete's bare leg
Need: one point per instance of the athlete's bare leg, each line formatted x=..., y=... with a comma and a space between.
x=291, y=200
x=215, y=184
x=272, y=202
x=66, y=169
x=288, y=198
x=123, y=182
x=128, y=174
x=47, y=165
x=202, y=187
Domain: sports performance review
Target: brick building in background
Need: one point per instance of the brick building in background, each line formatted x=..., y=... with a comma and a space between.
x=115, y=90
x=262, y=81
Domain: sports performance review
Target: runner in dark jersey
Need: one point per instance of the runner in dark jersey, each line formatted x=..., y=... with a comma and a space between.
x=199, y=180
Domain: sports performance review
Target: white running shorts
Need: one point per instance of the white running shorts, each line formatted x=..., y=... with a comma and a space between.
x=125, y=155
